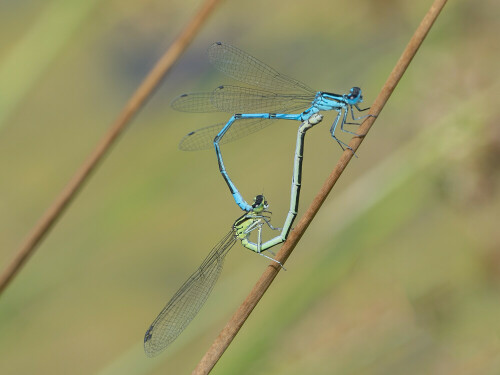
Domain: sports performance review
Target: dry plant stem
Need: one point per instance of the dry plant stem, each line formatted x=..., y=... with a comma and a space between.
x=136, y=102
x=235, y=323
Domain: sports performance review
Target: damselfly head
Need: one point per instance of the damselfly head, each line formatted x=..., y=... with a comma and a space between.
x=259, y=203
x=354, y=96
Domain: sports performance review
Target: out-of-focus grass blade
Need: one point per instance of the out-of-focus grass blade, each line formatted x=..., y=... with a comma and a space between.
x=31, y=56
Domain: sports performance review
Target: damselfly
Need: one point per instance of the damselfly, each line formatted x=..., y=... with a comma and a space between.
x=189, y=299
x=273, y=96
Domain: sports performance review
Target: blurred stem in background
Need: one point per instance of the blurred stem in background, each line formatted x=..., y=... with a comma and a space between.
x=234, y=324
x=37, y=49
x=134, y=104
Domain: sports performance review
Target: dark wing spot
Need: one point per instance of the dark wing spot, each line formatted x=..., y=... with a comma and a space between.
x=148, y=334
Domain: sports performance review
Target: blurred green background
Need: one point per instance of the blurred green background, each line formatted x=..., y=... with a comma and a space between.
x=398, y=274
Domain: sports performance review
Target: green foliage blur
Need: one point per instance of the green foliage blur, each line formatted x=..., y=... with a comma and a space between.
x=398, y=274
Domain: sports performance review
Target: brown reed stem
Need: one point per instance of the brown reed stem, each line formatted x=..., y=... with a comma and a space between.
x=136, y=102
x=227, y=334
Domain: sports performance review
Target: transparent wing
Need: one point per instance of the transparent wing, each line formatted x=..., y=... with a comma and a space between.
x=239, y=65
x=236, y=99
x=188, y=300
x=203, y=139
x=196, y=102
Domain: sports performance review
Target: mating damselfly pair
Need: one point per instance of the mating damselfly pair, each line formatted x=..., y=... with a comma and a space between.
x=273, y=96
